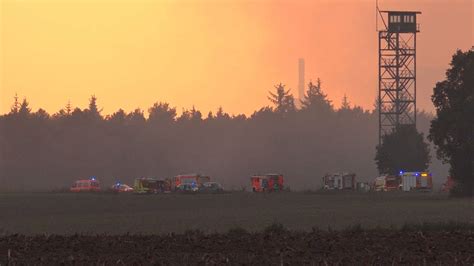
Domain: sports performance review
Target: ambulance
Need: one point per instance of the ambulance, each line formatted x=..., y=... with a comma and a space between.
x=86, y=185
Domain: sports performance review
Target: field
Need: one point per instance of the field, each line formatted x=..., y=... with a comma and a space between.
x=55, y=213
x=236, y=229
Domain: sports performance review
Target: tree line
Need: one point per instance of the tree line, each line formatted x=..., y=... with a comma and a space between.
x=43, y=151
x=46, y=151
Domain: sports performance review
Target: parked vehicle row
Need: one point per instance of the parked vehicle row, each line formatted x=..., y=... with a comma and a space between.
x=194, y=183
x=405, y=181
x=145, y=185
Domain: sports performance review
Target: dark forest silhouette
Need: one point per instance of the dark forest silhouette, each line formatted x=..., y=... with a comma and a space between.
x=42, y=151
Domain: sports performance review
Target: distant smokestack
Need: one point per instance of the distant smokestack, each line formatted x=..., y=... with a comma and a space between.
x=300, y=80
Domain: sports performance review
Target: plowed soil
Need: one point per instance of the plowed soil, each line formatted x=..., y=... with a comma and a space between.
x=270, y=247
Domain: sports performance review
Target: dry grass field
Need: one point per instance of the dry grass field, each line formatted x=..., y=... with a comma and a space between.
x=65, y=213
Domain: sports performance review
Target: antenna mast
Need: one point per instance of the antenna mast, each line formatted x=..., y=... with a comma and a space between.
x=376, y=15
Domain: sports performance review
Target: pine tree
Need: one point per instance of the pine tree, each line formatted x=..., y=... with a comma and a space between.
x=346, y=105
x=221, y=114
x=376, y=106
x=16, y=105
x=24, y=110
x=93, y=110
x=68, y=108
x=315, y=99
x=196, y=114
x=283, y=100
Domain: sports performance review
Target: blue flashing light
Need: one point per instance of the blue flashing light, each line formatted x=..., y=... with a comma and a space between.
x=93, y=178
x=401, y=172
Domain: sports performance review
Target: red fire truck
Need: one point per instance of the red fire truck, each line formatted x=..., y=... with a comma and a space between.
x=267, y=183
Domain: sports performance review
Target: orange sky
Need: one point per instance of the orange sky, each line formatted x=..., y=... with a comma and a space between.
x=208, y=53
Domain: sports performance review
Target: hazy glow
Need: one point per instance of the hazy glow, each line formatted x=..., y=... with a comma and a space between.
x=208, y=53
